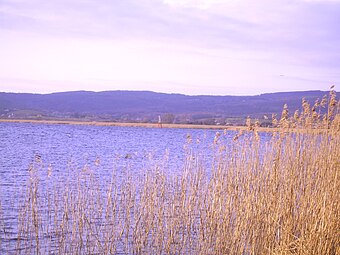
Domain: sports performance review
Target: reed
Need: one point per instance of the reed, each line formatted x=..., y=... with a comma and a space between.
x=260, y=196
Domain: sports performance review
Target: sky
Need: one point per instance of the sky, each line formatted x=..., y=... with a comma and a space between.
x=194, y=47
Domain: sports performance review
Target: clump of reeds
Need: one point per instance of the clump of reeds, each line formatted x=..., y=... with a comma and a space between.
x=274, y=196
x=322, y=114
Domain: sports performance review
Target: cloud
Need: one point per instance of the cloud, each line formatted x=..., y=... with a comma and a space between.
x=122, y=20
x=181, y=42
x=296, y=25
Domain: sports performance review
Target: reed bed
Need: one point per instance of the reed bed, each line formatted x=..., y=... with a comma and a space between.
x=259, y=196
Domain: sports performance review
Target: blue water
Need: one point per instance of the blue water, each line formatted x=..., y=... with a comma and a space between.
x=64, y=147
x=61, y=149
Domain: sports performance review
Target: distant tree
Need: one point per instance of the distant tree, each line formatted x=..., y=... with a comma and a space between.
x=168, y=118
x=208, y=121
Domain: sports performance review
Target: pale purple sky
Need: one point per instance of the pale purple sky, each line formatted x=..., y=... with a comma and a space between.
x=216, y=47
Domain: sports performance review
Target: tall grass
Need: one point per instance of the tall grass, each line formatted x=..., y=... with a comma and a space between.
x=279, y=196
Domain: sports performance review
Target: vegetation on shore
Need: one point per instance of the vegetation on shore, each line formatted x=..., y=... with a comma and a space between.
x=147, y=106
x=278, y=196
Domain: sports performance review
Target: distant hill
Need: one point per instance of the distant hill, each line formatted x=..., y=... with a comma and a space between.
x=146, y=106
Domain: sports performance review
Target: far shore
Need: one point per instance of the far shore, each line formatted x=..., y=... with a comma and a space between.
x=156, y=125
x=123, y=124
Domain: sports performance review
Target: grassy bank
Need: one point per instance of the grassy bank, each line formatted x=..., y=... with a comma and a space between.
x=123, y=124
x=278, y=196
x=156, y=125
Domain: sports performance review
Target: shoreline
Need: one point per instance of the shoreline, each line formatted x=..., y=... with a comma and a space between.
x=156, y=125
x=129, y=124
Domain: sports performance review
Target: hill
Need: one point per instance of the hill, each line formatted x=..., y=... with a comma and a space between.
x=146, y=106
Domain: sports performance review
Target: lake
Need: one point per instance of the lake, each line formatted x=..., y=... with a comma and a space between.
x=77, y=189
x=60, y=146
x=64, y=148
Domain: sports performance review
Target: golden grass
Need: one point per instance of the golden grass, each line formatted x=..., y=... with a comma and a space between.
x=279, y=196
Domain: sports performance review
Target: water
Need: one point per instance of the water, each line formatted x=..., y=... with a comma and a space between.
x=74, y=146
x=59, y=146
x=108, y=149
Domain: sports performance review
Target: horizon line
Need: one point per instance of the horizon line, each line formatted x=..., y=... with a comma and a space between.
x=157, y=92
